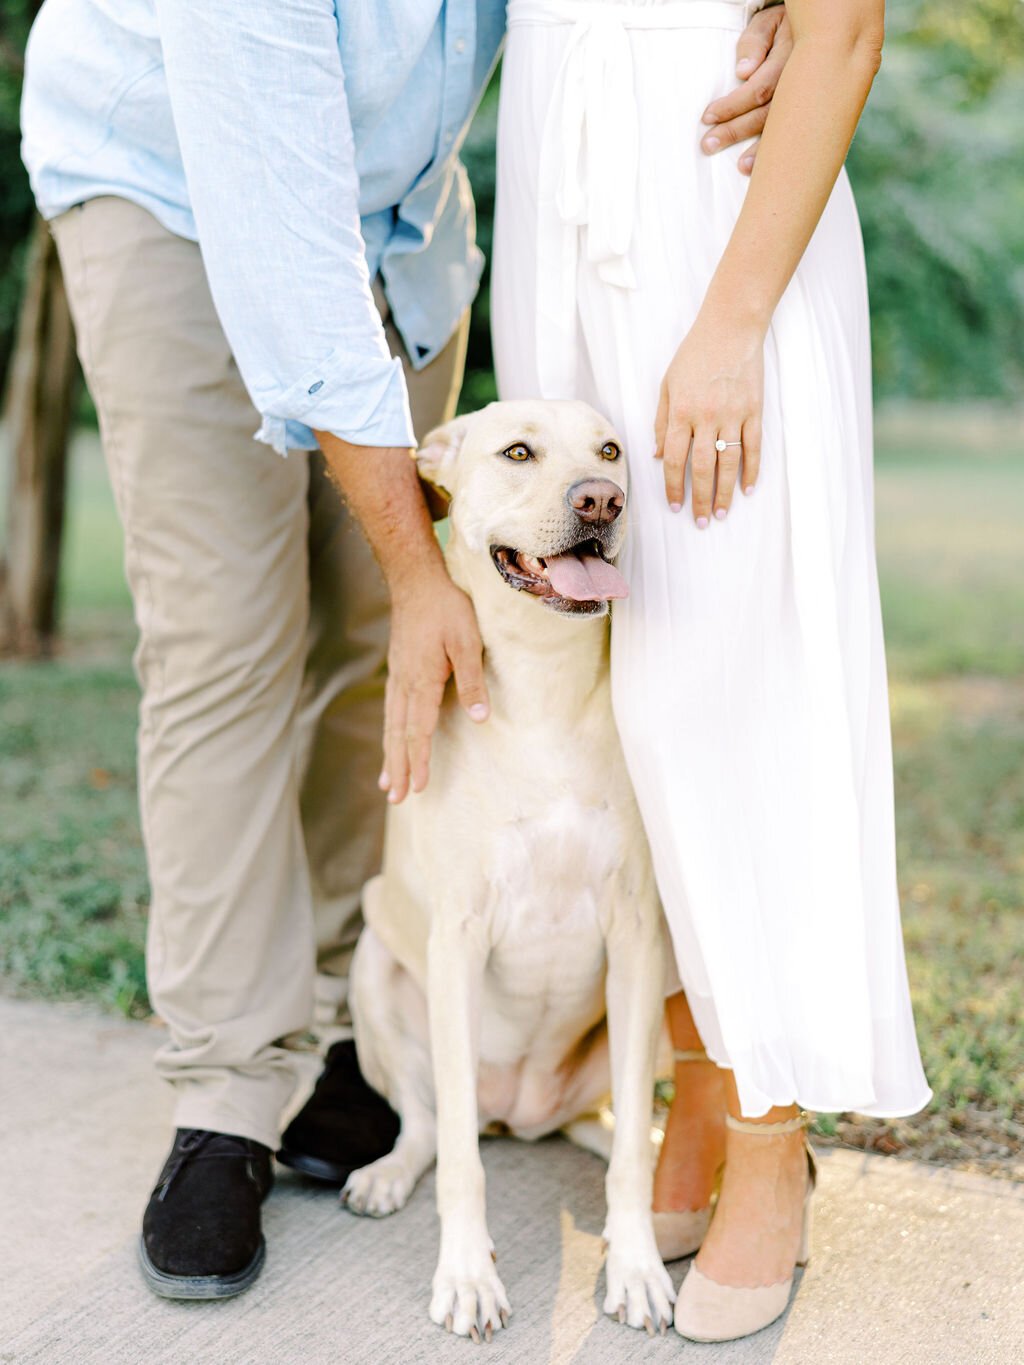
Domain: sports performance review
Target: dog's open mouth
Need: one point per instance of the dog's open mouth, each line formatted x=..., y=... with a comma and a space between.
x=577, y=580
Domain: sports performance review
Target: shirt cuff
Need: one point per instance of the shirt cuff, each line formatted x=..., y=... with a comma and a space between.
x=362, y=399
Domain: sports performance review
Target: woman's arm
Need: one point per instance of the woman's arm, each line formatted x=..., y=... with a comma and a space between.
x=713, y=387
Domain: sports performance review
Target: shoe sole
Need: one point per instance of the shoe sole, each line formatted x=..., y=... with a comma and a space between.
x=200, y=1286
x=327, y=1172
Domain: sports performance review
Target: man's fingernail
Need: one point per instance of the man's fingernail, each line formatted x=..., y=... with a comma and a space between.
x=744, y=66
x=721, y=514
x=478, y=711
x=712, y=144
x=702, y=523
x=675, y=507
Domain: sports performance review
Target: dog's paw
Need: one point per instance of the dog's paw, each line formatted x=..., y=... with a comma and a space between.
x=381, y=1188
x=470, y=1299
x=639, y=1288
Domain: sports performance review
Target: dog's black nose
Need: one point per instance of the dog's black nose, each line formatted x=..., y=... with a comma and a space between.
x=596, y=501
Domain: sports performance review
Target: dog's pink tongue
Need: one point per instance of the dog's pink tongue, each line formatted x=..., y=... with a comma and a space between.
x=587, y=578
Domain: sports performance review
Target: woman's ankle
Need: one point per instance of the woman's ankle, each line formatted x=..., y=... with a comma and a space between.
x=693, y=1148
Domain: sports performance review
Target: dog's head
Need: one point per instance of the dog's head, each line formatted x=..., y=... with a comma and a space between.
x=539, y=488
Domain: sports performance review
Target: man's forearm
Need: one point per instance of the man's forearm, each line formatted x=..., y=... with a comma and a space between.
x=383, y=489
x=433, y=629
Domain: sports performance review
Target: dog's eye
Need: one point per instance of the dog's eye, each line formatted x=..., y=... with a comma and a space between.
x=610, y=451
x=518, y=452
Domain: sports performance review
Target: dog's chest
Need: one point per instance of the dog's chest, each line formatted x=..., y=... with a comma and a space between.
x=555, y=878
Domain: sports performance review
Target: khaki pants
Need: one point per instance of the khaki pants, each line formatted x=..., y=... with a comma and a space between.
x=263, y=626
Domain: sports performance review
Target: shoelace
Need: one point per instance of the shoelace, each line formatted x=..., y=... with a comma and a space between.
x=191, y=1148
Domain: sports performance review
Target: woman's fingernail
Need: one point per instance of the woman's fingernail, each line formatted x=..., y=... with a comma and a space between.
x=749, y=489
x=721, y=514
x=744, y=66
x=702, y=523
x=675, y=507
x=746, y=163
x=383, y=782
x=393, y=798
x=708, y=117
x=478, y=711
x=712, y=144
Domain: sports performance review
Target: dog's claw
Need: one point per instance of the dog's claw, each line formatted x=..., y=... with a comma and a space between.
x=503, y=1314
x=663, y=1327
x=604, y=1245
x=474, y=1332
x=494, y=1256
x=488, y=1331
x=622, y=1312
x=448, y=1323
x=649, y=1326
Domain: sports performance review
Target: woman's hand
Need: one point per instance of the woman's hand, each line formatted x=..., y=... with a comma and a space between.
x=712, y=392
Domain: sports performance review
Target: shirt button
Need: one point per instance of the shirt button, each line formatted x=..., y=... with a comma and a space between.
x=460, y=45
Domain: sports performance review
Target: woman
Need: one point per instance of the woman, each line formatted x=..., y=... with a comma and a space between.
x=724, y=328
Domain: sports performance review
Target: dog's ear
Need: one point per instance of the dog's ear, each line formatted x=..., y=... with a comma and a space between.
x=437, y=456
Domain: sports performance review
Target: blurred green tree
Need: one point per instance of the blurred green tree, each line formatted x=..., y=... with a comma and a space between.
x=938, y=169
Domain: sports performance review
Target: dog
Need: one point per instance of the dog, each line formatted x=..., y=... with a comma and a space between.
x=512, y=967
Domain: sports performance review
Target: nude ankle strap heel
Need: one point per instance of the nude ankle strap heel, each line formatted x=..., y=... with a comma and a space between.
x=709, y=1311
x=695, y=1054
x=768, y=1129
x=679, y=1233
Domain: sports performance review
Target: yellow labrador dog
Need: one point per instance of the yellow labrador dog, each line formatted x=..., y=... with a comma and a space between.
x=512, y=967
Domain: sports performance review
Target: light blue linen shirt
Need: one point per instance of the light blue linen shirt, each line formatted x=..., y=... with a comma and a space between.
x=306, y=145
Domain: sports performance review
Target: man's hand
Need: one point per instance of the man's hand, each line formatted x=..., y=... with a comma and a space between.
x=433, y=626
x=433, y=635
x=761, y=53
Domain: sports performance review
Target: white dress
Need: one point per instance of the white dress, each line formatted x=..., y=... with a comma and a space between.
x=748, y=664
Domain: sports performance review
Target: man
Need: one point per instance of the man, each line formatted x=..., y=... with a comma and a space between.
x=264, y=228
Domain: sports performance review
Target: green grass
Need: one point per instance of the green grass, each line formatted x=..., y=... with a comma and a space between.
x=951, y=556
x=72, y=880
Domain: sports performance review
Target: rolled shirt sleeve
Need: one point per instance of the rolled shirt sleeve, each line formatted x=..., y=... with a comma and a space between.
x=258, y=97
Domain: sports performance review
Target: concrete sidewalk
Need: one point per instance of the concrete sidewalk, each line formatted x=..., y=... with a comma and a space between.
x=911, y=1264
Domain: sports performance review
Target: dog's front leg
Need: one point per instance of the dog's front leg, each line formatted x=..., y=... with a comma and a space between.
x=468, y=1297
x=639, y=1289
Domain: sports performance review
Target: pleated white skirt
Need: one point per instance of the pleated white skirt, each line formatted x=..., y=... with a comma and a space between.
x=748, y=663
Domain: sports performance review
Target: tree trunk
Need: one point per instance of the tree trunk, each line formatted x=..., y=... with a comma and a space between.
x=41, y=386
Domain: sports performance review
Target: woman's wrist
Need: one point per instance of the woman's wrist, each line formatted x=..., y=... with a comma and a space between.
x=733, y=308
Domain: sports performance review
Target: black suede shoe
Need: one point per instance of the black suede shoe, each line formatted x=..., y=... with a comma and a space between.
x=201, y=1235
x=344, y=1124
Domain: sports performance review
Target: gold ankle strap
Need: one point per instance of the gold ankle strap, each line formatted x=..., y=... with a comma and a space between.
x=769, y=1129
x=693, y=1055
